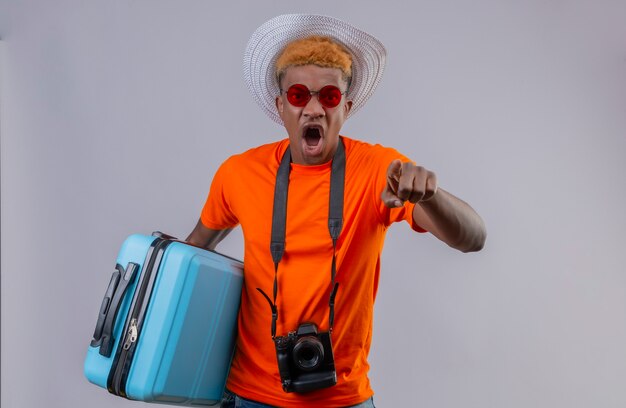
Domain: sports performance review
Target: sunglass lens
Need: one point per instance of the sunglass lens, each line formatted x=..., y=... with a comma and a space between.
x=330, y=96
x=298, y=95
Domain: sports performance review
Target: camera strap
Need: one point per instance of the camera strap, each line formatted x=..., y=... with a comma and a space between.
x=279, y=222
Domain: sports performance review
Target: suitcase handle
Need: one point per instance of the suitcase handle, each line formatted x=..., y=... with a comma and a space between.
x=163, y=235
x=120, y=280
x=106, y=302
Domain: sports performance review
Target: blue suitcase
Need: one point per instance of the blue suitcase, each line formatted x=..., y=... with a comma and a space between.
x=167, y=324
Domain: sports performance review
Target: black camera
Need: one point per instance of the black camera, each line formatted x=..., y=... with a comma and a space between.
x=305, y=359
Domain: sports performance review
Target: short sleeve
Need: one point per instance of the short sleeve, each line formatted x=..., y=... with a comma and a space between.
x=217, y=212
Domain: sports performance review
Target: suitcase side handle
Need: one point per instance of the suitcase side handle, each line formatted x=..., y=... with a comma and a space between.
x=104, y=307
x=120, y=280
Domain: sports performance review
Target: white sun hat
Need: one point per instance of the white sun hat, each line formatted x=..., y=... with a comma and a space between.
x=368, y=56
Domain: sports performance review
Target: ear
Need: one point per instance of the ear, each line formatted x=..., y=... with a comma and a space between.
x=347, y=107
x=279, y=106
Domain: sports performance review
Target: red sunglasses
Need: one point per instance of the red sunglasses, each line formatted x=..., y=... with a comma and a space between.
x=299, y=95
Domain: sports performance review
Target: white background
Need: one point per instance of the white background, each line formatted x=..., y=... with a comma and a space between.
x=115, y=115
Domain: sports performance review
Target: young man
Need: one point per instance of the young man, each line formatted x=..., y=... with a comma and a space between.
x=314, y=209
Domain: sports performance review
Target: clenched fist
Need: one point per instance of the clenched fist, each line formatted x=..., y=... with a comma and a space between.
x=406, y=181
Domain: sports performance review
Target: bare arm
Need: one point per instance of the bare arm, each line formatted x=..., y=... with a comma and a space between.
x=451, y=220
x=447, y=217
x=205, y=237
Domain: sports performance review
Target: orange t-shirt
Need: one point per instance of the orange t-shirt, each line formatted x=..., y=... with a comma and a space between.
x=242, y=192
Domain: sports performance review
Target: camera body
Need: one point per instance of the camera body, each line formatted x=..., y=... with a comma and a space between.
x=305, y=359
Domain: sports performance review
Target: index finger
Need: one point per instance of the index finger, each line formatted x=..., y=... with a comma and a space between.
x=394, y=171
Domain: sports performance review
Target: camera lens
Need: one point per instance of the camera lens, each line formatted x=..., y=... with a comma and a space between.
x=308, y=353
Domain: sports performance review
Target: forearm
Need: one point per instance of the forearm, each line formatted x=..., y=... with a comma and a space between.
x=206, y=238
x=451, y=220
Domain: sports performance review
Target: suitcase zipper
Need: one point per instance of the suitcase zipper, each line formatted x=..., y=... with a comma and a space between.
x=121, y=364
x=131, y=336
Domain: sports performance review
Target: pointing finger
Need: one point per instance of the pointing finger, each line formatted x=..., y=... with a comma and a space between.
x=394, y=171
x=389, y=194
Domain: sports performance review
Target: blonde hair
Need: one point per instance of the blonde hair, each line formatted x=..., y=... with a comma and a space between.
x=315, y=50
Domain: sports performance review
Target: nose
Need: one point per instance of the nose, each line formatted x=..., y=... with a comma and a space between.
x=314, y=109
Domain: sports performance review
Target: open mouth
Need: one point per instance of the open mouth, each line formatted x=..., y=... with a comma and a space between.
x=312, y=136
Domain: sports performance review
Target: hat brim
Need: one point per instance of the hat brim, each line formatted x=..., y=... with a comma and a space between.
x=266, y=43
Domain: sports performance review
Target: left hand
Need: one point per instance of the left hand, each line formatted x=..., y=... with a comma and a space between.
x=406, y=181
